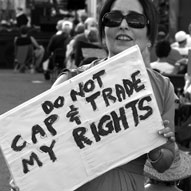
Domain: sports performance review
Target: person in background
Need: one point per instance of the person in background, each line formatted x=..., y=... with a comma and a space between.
x=123, y=24
x=89, y=35
x=169, y=180
x=181, y=43
x=162, y=50
x=83, y=16
x=59, y=27
x=21, y=17
x=3, y=8
x=60, y=40
x=5, y=26
x=89, y=24
x=79, y=28
x=174, y=54
x=57, y=41
x=26, y=39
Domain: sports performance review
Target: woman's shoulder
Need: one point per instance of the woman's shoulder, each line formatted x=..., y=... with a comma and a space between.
x=76, y=71
x=69, y=73
x=160, y=84
x=163, y=90
x=157, y=77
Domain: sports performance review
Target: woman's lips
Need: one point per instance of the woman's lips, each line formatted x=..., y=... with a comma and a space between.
x=123, y=37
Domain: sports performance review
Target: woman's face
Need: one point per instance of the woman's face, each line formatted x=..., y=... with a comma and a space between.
x=122, y=37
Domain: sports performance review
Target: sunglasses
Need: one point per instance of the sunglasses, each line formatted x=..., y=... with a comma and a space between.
x=134, y=20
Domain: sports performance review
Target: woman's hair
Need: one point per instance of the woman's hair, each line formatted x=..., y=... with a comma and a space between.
x=149, y=11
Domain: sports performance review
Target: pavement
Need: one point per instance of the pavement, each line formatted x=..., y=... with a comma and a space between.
x=15, y=89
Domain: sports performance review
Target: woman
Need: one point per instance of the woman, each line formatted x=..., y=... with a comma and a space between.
x=26, y=39
x=122, y=24
x=120, y=33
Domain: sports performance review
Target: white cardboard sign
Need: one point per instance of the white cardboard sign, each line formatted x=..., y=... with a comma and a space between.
x=96, y=121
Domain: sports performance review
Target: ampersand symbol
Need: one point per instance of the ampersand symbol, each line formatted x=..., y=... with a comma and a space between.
x=73, y=115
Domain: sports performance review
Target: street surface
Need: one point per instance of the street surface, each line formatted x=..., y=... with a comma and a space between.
x=15, y=89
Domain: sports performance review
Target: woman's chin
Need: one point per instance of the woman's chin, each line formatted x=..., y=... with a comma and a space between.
x=117, y=49
x=122, y=48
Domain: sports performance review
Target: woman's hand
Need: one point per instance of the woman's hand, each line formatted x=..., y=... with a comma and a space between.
x=167, y=132
x=162, y=157
x=13, y=186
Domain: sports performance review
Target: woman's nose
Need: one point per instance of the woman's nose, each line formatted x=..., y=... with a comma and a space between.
x=124, y=24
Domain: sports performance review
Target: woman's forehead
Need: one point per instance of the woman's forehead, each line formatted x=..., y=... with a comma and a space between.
x=127, y=6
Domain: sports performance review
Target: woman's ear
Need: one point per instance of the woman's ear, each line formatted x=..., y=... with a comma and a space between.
x=104, y=42
x=148, y=44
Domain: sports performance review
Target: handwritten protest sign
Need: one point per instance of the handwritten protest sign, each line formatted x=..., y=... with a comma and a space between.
x=68, y=135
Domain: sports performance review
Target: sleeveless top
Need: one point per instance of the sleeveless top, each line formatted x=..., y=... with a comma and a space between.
x=21, y=41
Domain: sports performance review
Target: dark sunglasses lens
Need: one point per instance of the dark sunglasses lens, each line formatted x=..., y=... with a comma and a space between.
x=136, y=20
x=112, y=19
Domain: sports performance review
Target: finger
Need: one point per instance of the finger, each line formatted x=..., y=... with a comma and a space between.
x=167, y=133
x=13, y=186
x=170, y=136
x=165, y=130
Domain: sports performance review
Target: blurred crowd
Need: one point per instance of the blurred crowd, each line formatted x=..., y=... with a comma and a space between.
x=70, y=32
x=167, y=57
